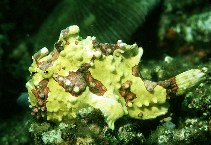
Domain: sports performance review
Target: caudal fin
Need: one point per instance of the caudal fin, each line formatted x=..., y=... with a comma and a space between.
x=179, y=84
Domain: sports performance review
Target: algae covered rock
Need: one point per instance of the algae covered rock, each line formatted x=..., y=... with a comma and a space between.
x=193, y=131
x=84, y=72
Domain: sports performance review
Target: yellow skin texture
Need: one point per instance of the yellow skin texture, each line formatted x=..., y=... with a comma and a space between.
x=111, y=70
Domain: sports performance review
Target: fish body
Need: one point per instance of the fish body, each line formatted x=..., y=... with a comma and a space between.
x=84, y=72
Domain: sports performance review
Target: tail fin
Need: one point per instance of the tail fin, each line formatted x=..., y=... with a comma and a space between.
x=179, y=84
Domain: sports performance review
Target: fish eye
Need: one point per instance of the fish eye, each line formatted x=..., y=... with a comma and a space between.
x=33, y=73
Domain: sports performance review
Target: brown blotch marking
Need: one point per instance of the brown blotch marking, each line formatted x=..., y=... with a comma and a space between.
x=35, y=93
x=126, y=93
x=149, y=85
x=65, y=33
x=135, y=71
x=106, y=49
x=58, y=46
x=81, y=78
x=76, y=79
x=95, y=86
x=36, y=56
x=84, y=68
x=170, y=85
x=59, y=79
x=41, y=89
x=46, y=64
